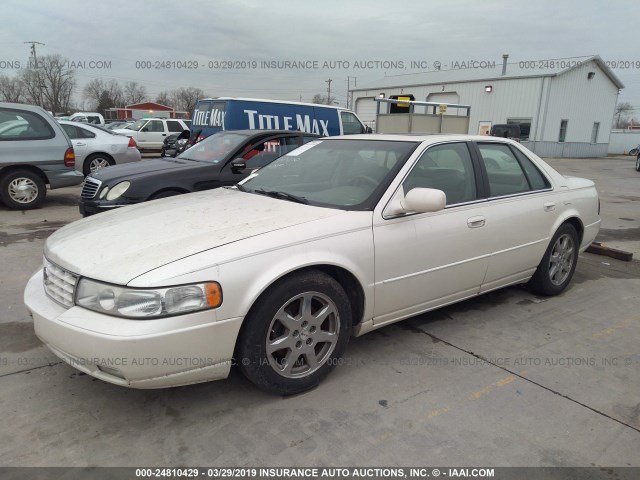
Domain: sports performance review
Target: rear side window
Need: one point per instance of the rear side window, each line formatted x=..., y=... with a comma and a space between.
x=506, y=175
x=23, y=125
x=175, y=126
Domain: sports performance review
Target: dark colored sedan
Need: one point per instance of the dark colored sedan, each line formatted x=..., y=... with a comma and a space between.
x=220, y=160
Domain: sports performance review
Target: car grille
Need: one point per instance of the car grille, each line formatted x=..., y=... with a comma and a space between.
x=90, y=187
x=59, y=284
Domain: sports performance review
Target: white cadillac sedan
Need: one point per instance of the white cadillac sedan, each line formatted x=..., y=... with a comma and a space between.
x=339, y=237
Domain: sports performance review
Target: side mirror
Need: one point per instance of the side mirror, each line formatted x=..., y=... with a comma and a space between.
x=368, y=130
x=238, y=164
x=424, y=200
x=144, y=129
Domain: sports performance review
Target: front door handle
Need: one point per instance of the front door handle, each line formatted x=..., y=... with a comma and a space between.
x=475, y=222
x=549, y=206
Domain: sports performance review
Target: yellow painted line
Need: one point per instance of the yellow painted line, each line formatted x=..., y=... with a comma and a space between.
x=611, y=330
x=438, y=412
x=500, y=383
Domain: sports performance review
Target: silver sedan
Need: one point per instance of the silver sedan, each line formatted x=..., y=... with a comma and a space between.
x=96, y=147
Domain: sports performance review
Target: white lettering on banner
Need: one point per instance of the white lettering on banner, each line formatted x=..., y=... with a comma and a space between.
x=304, y=125
x=217, y=119
x=252, y=122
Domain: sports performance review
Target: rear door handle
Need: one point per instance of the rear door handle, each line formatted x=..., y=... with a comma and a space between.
x=549, y=206
x=79, y=144
x=476, y=222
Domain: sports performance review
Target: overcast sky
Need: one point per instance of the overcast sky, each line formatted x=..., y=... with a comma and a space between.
x=126, y=33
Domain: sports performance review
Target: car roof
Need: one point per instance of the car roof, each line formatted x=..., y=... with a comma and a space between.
x=423, y=137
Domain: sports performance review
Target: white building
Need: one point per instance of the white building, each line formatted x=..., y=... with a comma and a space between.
x=569, y=111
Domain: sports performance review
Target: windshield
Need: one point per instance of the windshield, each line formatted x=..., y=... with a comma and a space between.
x=215, y=148
x=341, y=173
x=137, y=125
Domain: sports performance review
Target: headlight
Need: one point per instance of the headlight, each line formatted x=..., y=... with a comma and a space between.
x=103, y=192
x=147, y=303
x=118, y=190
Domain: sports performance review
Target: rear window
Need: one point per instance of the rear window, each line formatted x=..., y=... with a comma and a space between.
x=23, y=125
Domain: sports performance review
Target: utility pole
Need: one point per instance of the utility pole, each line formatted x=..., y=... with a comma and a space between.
x=33, y=51
x=35, y=66
x=328, y=82
x=355, y=82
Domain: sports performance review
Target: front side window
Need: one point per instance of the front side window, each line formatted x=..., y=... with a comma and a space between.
x=350, y=123
x=446, y=167
x=336, y=173
x=23, y=125
x=155, y=126
x=265, y=152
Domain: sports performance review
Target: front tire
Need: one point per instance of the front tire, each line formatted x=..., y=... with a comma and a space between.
x=558, y=264
x=22, y=190
x=638, y=164
x=295, y=333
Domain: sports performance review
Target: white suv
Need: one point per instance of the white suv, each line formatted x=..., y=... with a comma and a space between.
x=149, y=133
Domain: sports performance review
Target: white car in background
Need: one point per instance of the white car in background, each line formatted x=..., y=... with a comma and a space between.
x=149, y=133
x=96, y=147
x=338, y=237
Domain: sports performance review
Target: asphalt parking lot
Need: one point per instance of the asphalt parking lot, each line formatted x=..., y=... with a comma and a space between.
x=506, y=379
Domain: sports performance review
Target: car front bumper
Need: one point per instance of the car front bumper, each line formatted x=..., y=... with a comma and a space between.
x=160, y=353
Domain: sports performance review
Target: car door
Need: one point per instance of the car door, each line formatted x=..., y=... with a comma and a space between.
x=151, y=135
x=520, y=213
x=424, y=260
x=79, y=142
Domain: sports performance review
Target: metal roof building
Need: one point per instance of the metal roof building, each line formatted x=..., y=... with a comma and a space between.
x=564, y=113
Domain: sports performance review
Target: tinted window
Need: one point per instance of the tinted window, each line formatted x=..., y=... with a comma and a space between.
x=154, y=126
x=506, y=177
x=536, y=179
x=215, y=148
x=266, y=152
x=23, y=125
x=445, y=167
x=350, y=123
x=72, y=131
x=84, y=133
x=175, y=126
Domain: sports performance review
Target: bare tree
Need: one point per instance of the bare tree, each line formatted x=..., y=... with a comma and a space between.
x=103, y=95
x=322, y=99
x=134, y=93
x=164, y=98
x=185, y=99
x=49, y=83
x=620, y=113
x=11, y=90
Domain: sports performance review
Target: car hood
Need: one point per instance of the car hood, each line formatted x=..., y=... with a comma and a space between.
x=121, y=245
x=129, y=171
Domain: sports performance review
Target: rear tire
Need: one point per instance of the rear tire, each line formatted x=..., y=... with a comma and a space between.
x=95, y=162
x=22, y=190
x=295, y=333
x=638, y=164
x=558, y=263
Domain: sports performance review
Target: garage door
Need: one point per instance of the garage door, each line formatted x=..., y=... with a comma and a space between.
x=366, y=110
x=448, y=97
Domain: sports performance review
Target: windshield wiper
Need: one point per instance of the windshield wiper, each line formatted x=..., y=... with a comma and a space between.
x=237, y=186
x=281, y=195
